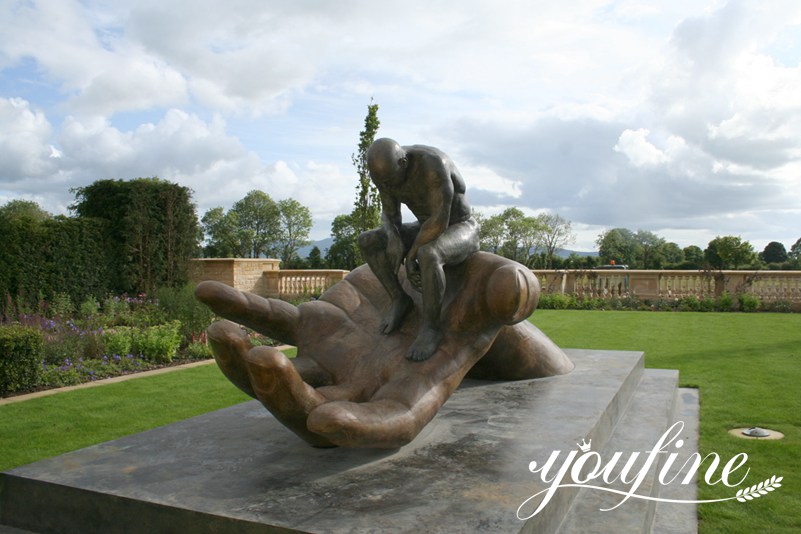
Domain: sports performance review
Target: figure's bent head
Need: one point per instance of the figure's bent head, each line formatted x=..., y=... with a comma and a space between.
x=386, y=161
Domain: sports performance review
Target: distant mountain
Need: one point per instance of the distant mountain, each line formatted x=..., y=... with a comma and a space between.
x=325, y=244
x=563, y=253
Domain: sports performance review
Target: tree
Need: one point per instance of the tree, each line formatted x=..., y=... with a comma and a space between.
x=639, y=250
x=367, y=208
x=344, y=251
x=795, y=250
x=315, y=259
x=554, y=232
x=152, y=229
x=295, y=222
x=514, y=233
x=258, y=223
x=693, y=257
x=516, y=236
x=648, y=250
x=673, y=254
x=528, y=233
x=491, y=232
x=222, y=233
x=774, y=253
x=729, y=252
x=617, y=245
x=795, y=253
x=16, y=209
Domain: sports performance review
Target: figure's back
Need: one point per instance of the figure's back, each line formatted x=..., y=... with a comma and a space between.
x=423, y=159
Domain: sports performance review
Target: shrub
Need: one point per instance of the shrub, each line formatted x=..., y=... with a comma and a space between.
x=89, y=307
x=20, y=358
x=179, y=303
x=690, y=303
x=748, y=302
x=77, y=371
x=663, y=304
x=115, y=311
x=778, y=306
x=61, y=305
x=706, y=304
x=157, y=343
x=725, y=302
x=197, y=350
x=118, y=341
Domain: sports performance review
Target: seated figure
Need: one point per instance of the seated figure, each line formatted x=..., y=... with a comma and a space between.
x=425, y=180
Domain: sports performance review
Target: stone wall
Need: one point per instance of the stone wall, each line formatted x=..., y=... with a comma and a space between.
x=264, y=277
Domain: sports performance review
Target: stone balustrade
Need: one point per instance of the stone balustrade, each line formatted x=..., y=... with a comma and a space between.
x=653, y=284
x=263, y=276
x=292, y=283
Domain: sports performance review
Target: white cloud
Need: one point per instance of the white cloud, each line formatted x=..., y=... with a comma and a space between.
x=663, y=115
x=485, y=179
x=24, y=137
x=635, y=145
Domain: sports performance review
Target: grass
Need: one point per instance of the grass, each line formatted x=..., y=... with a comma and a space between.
x=747, y=366
x=48, y=426
x=748, y=369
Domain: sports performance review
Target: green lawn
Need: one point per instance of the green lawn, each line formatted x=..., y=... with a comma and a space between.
x=748, y=369
x=49, y=426
x=747, y=366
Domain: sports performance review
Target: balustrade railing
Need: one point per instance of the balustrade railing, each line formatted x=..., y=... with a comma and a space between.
x=302, y=282
x=264, y=277
x=652, y=284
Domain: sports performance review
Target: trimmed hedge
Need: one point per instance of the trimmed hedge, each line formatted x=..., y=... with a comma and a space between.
x=21, y=349
x=44, y=258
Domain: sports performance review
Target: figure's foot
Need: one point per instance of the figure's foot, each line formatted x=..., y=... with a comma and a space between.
x=400, y=307
x=425, y=345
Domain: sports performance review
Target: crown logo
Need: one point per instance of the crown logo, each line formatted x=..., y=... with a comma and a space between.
x=584, y=445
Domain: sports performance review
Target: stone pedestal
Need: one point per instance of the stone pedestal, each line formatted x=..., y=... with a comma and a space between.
x=239, y=470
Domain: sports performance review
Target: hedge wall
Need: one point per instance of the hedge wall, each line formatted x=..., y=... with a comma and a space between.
x=21, y=350
x=58, y=255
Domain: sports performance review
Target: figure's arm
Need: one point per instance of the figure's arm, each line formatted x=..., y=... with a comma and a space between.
x=390, y=213
x=439, y=194
x=391, y=221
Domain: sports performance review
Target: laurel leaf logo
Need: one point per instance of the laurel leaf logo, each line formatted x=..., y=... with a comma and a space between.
x=758, y=490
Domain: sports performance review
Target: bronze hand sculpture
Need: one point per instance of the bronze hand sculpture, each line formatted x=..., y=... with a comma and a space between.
x=352, y=385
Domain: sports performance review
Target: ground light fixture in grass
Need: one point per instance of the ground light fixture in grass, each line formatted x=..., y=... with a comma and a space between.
x=747, y=368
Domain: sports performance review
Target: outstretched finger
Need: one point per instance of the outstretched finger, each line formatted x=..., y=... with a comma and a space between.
x=283, y=392
x=272, y=317
x=230, y=345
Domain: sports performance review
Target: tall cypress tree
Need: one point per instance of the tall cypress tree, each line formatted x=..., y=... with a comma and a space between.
x=367, y=208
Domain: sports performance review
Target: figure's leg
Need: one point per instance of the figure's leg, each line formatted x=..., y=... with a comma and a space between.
x=454, y=246
x=384, y=254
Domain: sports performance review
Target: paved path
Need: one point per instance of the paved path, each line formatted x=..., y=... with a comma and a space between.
x=122, y=378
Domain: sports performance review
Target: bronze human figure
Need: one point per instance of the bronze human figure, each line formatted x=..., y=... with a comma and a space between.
x=425, y=180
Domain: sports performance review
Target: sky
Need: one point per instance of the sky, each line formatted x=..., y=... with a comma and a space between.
x=680, y=117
